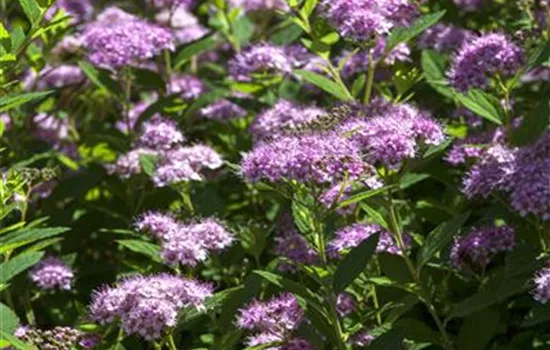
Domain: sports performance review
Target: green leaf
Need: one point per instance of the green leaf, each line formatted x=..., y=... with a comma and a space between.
x=496, y=291
x=404, y=34
x=210, y=304
x=483, y=104
x=478, y=329
x=354, y=263
x=148, y=79
x=363, y=195
x=325, y=84
x=148, y=163
x=148, y=249
x=32, y=10
x=23, y=237
x=539, y=55
x=193, y=49
x=8, y=319
x=433, y=67
x=101, y=78
x=159, y=107
x=251, y=289
x=374, y=215
x=291, y=286
x=534, y=124
x=18, y=264
x=440, y=237
x=18, y=344
x=12, y=101
x=390, y=340
x=286, y=35
x=410, y=179
x=309, y=7
x=538, y=314
x=416, y=330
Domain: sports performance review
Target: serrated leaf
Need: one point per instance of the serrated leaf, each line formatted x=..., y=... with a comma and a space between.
x=325, y=84
x=8, y=319
x=439, y=237
x=354, y=263
x=404, y=34
x=483, y=104
x=31, y=10
x=23, y=237
x=12, y=101
x=193, y=49
x=363, y=195
x=18, y=264
x=148, y=249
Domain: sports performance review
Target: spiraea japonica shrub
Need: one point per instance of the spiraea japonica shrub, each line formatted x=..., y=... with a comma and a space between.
x=275, y=174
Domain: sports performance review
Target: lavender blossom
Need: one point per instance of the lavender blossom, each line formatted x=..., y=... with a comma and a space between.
x=157, y=224
x=117, y=40
x=134, y=113
x=473, y=147
x=470, y=5
x=278, y=315
x=222, y=110
x=282, y=117
x=6, y=120
x=55, y=78
x=346, y=304
x=359, y=62
x=186, y=4
x=351, y=236
x=52, y=273
x=259, y=59
x=295, y=247
x=479, y=246
x=128, y=164
x=148, y=305
x=78, y=10
x=541, y=293
x=395, y=134
x=315, y=158
x=187, y=86
x=57, y=338
x=51, y=129
x=444, y=37
x=361, y=20
x=484, y=56
x=160, y=133
x=362, y=338
x=260, y=5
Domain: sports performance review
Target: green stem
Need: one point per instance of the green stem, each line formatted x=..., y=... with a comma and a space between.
x=28, y=309
x=168, y=63
x=370, y=80
x=171, y=342
x=127, y=96
x=425, y=295
x=186, y=197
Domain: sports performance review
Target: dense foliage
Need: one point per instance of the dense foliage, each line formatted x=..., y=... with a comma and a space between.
x=271, y=174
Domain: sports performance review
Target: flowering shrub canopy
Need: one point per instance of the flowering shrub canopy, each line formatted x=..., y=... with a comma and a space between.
x=274, y=174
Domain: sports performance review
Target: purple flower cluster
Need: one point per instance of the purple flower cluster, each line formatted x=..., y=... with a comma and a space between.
x=185, y=244
x=483, y=56
x=259, y=59
x=314, y=158
x=222, y=110
x=185, y=26
x=362, y=338
x=148, y=305
x=187, y=86
x=351, y=236
x=361, y=20
x=346, y=304
x=541, y=293
x=55, y=77
x=52, y=273
x=295, y=247
x=523, y=173
x=444, y=37
x=473, y=147
x=480, y=245
x=340, y=192
x=57, y=338
x=470, y=5
x=172, y=3
x=79, y=10
x=260, y=5
x=161, y=138
x=283, y=116
x=393, y=133
x=274, y=321
x=359, y=62
x=118, y=39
